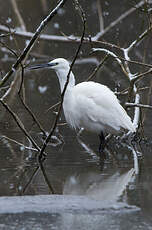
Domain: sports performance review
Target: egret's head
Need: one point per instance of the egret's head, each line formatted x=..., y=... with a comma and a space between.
x=59, y=63
x=56, y=64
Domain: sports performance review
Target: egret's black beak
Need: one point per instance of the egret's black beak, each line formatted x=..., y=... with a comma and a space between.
x=40, y=66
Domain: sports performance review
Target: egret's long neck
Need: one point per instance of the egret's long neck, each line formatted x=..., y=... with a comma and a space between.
x=62, y=76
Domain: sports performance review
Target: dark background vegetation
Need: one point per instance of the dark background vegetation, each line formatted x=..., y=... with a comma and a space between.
x=41, y=91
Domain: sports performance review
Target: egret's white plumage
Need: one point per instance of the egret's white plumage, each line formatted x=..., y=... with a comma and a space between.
x=90, y=105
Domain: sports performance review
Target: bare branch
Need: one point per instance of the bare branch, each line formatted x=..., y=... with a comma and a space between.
x=17, y=13
x=114, y=56
x=101, y=20
x=18, y=143
x=141, y=36
x=32, y=42
x=135, y=62
x=141, y=76
x=127, y=104
x=118, y=20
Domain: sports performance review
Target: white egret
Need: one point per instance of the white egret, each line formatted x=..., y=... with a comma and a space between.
x=89, y=105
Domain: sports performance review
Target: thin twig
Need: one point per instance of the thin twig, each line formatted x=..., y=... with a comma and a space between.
x=8, y=48
x=28, y=109
x=53, y=106
x=33, y=116
x=97, y=68
x=46, y=178
x=19, y=123
x=30, y=180
x=63, y=93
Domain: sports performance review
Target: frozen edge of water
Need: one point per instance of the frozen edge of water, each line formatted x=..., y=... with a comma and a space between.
x=58, y=204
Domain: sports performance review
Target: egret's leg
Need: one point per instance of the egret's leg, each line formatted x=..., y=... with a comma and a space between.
x=102, y=142
x=101, y=150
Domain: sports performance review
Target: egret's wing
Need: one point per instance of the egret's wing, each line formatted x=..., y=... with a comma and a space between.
x=99, y=104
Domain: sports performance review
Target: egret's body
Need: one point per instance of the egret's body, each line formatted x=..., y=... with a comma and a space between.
x=95, y=108
x=89, y=105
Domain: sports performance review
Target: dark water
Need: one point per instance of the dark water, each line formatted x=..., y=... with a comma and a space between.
x=67, y=156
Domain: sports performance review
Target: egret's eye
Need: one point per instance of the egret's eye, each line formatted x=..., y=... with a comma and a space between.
x=56, y=63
